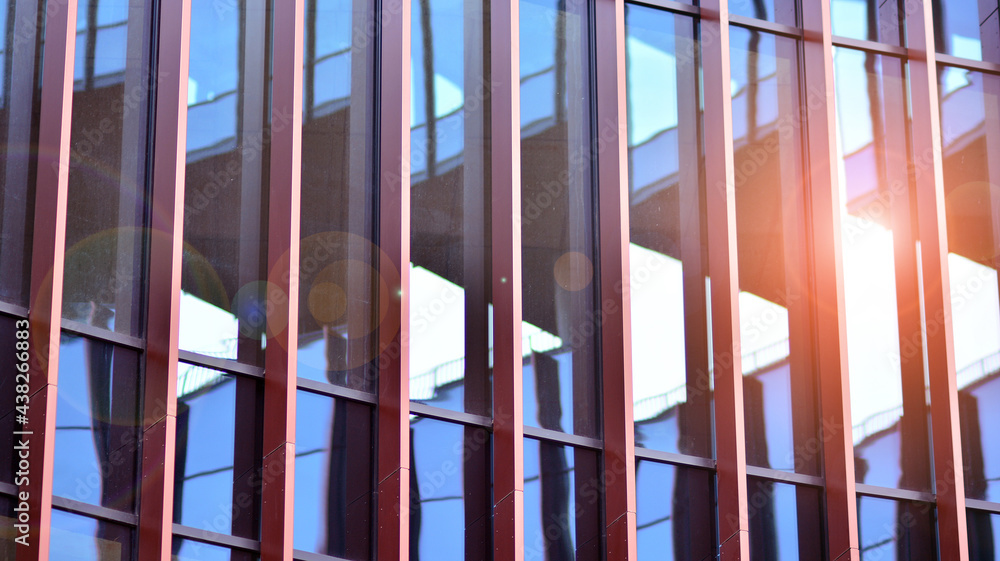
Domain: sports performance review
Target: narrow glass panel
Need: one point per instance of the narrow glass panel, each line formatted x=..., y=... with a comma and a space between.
x=889, y=529
x=557, y=215
x=562, y=502
x=967, y=28
x=778, y=11
x=342, y=297
x=675, y=515
x=450, y=500
x=872, y=20
x=79, y=538
x=9, y=381
x=779, y=385
x=20, y=92
x=333, y=476
x=97, y=423
x=786, y=522
x=671, y=379
x=984, y=535
x=216, y=480
x=970, y=125
x=223, y=311
x=190, y=550
x=884, y=346
x=450, y=206
x=107, y=174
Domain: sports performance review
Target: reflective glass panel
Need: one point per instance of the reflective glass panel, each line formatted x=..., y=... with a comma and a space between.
x=218, y=451
x=223, y=308
x=450, y=206
x=671, y=379
x=20, y=70
x=557, y=215
x=78, y=538
x=889, y=529
x=97, y=432
x=333, y=476
x=785, y=521
x=8, y=391
x=675, y=515
x=970, y=125
x=872, y=20
x=779, y=385
x=107, y=171
x=562, y=502
x=984, y=535
x=884, y=343
x=190, y=550
x=450, y=500
x=967, y=28
x=342, y=298
x=778, y=11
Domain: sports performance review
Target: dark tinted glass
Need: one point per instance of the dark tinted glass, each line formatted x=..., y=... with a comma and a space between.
x=20, y=66
x=86, y=539
x=223, y=308
x=872, y=20
x=107, y=172
x=562, y=502
x=967, y=28
x=450, y=500
x=216, y=480
x=342, y=298
x=768, y=120
x=785, y=521
x=8, y=391
x=8, y=546
x=778, y=11
x=671, y=378
x=970, y=125
x=557, y=216
x=881, y=294
x=190, y=550
x=675, y=512
x=889, y=529
x=333, y=476
x=984, y=535
x=450, y=206
x=97, y=433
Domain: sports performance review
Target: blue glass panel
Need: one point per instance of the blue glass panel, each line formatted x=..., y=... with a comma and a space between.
x=77, y=538
x=967, y=29
x=891, y=529
x=786, y=522
x=872, y=20
x=778, y=11
x=984, y=535
x=190, y=550
x=675, y=512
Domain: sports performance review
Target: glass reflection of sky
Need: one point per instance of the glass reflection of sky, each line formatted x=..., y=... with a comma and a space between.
x=213, y=75
x=110, y=37
x=75, y=538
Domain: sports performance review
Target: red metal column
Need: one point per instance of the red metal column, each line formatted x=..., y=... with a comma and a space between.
x=932, y=232
x=394, y=267
x=159, y=419
x=284, y=198
x=505, y=181
x=615, y=312
x=829, y=303
x=730, y=441
x=47, y=260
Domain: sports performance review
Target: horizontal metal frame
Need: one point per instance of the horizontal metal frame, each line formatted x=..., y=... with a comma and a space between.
x=95, y=511
x=674, y=459
x=450, y=416
x=985, y=506
x=870, y=46
x=13, y=310
x=331, y=390
x=299, y=555
x=91, y=332
x=557, y=437
x=968, y=63
x=767, y=26
x=221, y=364
x=213, y=538
x=895, y=494
x=791, y=478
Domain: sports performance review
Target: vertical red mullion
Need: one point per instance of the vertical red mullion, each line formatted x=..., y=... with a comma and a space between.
x=47, y=261
x=284, y=197
x=393, y=543
x=505, y=181
x=730, y=443
x=932, y=232
x=159, y=419
x=828, y=268
x=616, y=358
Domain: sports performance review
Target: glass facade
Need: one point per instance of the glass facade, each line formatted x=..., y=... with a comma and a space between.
x=360, y=280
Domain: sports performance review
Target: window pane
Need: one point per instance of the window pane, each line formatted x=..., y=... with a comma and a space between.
x=97, y=423
x=8, y=392
x=971, y=143
x=190, y=550
x=873, y=20
x=450, y=206
x=218, y=452
x=20, y=66
x=107, y=173
x=984, y=535
x=225, y=198
x=78, y=538
x=342, y=297
x=333, y=476
x=891, y=529
x=671, y=378
x=8, y=547
x=778, y=11
x=557, y=218
x=675, y=514
x=785, y=521
x=881, y=294
x=562, y=502
x=967, y=28
x=779, y=385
